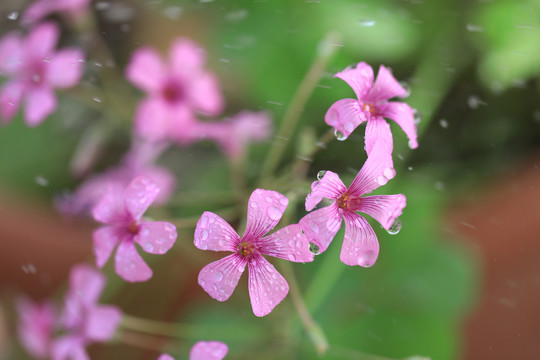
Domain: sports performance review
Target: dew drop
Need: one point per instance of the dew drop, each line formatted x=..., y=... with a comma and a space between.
x=274, y=213
x=367, y=22
x=14, y=15
x=203, y=222
x=339, y=135
x=320, y=174
x=407, y=88
x=395, y=228
x=411, y=144
x=96, y=99
x=41, y=181
x=389, y=173
x=314, y=249
x=443, y=123
x=410, y=168
x=204, y=234
x=217, y=275
x=367, y=259
x=417, y=116
x=314, y=227
x=382, y=180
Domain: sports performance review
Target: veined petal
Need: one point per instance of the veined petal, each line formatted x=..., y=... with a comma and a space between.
x=69, y=348
x=10, y=100
x=267, y=287
x=214, y=233
x=11, y=53
x=360, y=245
x=156, y=237
x=41, y=41
x=330, y=187
x=288, y=243
x=360, y=79
x=86, y=284
x=383, y=208
x=208, y=350
x=219, y=279
x=40, y=102
x=378, y=130
x=386, y=86
x=66, y=68
x=102, y=322
x=344, y=116
x=265, y=209
x=105, y=239
x=146, y=70
x=139, y=194
x=110, y=209
x=186, y=57
x=129, y=265
x=205, y=94
x=403, y=115
x=322, y=225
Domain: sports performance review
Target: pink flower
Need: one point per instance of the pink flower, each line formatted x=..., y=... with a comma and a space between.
x=266, y=286
x=83, y=319
x=40, y=9
x=372, y=106
x=36, y=326
x=175, y=90
x=34, y=70
x=360, y=245
x=122, y=212
x=204, y=350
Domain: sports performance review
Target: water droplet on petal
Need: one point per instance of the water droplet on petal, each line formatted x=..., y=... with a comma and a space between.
x=339, y=135
x=314, y=249
x=411, y=144
x=203, y=222
x=204, y=234
x=367, y=259
x=407, y=88
x=382, y=180
x=417, y=116
x=395, y=228
x=389, y=173
x=274, y=213
x=291, y=257
x=320, y=174
x=217, y=275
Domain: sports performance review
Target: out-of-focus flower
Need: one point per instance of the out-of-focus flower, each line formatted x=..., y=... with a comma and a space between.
x=36, y=326
x=204, y=350
x=122, y=212
x=34, y=69
x=372, y=106
x=83, y=319
x=175, y=91
x=360, y=245
x=266, y=286
x=40, y=9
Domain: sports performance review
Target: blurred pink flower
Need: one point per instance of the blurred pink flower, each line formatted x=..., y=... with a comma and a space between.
x=372, y=106
x=40, y=9
x=204, y=350
x=266, y=286
x=175, y=91
x=36, y=326
x=360, y=245
x=34, y=69
x=122, y=212
x=83, y=319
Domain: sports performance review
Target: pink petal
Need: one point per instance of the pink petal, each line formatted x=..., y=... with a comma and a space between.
x=156, y=237
x=146, y=70
x=208, y=350
x=321, y=226
x=10, y=100
x=360, y=79
x=377, y=170
x=265, y=208
x=36, y=326
x=385, y=87
x=11, y=53
x=378, y=130
x=110, y=209
x=129, y=265
x=266, y=286
x=105, y=239
x=102, y=322
x=383, y=208
x=37, y=11
x=153, y=119
x=86, y=284
x=205, y=95
x=330, y=187
x=66, y=68
x=165, y=357
x=344, y=116
x=288, y=243
x=403, y=115
x=360, y=245
x=186, y=57
x=41, y=41
x=69, y=348
x=139, y=194
x=219, y=279
x=40, y=103
x=214, y=233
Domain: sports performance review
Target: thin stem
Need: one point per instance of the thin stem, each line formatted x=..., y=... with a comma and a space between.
x=145, y=342
x=191, y=222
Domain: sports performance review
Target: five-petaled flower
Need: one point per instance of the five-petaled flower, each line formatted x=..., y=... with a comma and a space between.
x=372, y=106
x=36, y=328
x=204, y=350
x=34, y=69
x=122, y=212
x=360, y=245
x=266, y=286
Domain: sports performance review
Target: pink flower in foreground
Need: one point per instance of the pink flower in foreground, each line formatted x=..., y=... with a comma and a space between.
x=83, y=319
x=175, y=90
x=122, y=212
x=34, y=69
x=36, y=326
x=360, y=245
x=372, y=106
x=40, y=9
x=204, y=350
x=266, y=286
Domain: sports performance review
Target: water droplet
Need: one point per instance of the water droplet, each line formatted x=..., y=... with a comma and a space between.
x=407, y=88
x=367, y=22
x=320, y=174
x=474, y=28
x=410, y=168
x=29, y=268
x=253, y=204
x=411, y=144
x=170, y=227
x=96, y=99
x=237, y=15
x=389, y=173
x=102, y=5
x=14, y=15
x=395, y=228
x=339, y=135
x=204, y=234
x=203, y=222
x=217, y=275
x=315, y=185
x=314, y=227
x=41, y=181
x=274, y=213
x=172, y=12
x=269, y=199
x=314, y=249
x=148, y=247
x=417, y=116
x=443, y=123
x=474, y=102
x=367, y=259
x=382, y=180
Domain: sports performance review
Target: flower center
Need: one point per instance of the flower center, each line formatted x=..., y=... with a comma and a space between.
x=372, y=109
x=172, y=92
x=133, y=228
x=349, y=202
x=245, y=249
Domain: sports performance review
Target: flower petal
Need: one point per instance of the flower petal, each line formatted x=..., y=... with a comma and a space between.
x=344, y=116
x=360, y=79
x=146, y=70
x=156, y=237
x=205, y=95
x=186, y=57
x=40, y=103
x=102, y=322
x=383, y=208
x=288, y=243
x=85, y=284
x=165, y=357
x=403, y=115
x=208, y=350
x=265, y=209
x=219, y=279
x=360, y=245
x=139, y=194
x=386, y=86
x=153, y=119
x=214, y=233
x=41, y=41
x=10, y=100
x=378, y=130
x=69, y=348
x=66, y=68
x=330, y=187
x=110, y=208
x=321, y=226
x=11, y=53
x=105, y=239
x=36, y=326
x=129, y=265
x=266, y=286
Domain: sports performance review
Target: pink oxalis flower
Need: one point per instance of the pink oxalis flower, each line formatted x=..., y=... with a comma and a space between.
x=360, y=245
x=83, y=319
x=175, y=91
x=266, y=286
x=34, y=69
x=204, y=350
x=40, y=9
x=372, y=105
x=36, y=326
x=122, y=212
